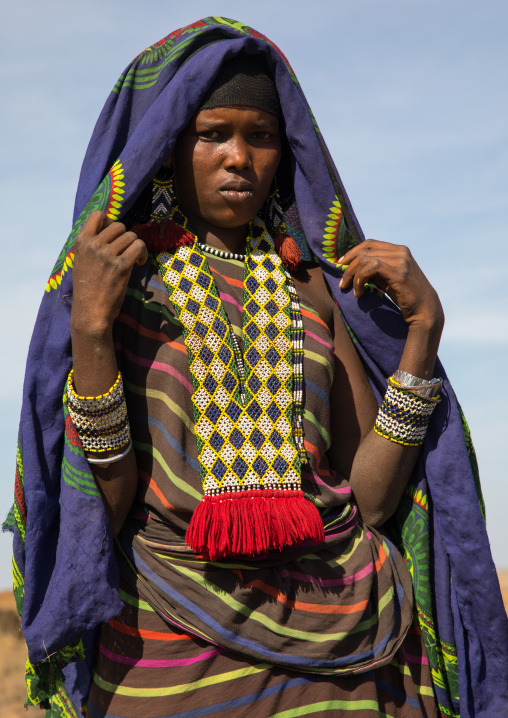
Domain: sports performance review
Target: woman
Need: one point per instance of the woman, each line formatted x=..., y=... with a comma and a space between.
x=269, y=581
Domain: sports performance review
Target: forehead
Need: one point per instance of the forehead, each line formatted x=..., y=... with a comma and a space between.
x=234, y=117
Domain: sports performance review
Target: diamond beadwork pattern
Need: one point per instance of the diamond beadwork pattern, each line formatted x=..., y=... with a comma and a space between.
x=254, y=426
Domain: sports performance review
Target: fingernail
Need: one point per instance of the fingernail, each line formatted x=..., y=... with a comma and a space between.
x=339, y=261
x=340, y=284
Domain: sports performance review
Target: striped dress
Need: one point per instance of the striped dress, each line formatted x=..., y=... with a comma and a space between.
x=307, y=631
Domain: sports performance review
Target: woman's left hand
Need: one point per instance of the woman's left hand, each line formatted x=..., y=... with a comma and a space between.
x=391, y=267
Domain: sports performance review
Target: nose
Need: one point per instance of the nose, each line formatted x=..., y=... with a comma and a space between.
x=237, y=154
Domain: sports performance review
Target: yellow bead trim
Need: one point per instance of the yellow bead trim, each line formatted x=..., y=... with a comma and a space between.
x=91, y=398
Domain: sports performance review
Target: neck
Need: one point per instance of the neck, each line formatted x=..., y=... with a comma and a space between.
x=228, y=239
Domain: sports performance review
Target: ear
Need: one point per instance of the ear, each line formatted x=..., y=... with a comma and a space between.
x=168, y=164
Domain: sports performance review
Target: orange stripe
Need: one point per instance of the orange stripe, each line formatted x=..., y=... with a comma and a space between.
x=158, y=336
x=304, y=606
x=314, y=451
x=382, y=558
x=229, y=280
x=152, y=485
x=142, y=633
x=314, y=317
x=314, y=607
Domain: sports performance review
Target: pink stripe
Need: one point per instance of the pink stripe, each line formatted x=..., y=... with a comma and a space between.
x=155, y=365
x=416, y=659
x=231, y=300
x=148, y=663
x=318, y=339
x=313, y=478
x=329, y=581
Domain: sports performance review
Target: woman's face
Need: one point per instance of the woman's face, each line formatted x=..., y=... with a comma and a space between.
x=224, y=163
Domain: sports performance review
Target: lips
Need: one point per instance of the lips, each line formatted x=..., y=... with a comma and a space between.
x=237, y=190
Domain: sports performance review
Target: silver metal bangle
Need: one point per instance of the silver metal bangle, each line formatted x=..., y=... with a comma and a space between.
x=424, y=387
x=111, y=459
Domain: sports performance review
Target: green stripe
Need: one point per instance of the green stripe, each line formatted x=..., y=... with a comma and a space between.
x=139, y=85
x=90, y=492
x=405, y=670
x=333, y=706
x=85, y=476
x=320, y=360
x=273, y=625
x=133, y=601
x=321, y=429
x=184, y=688
x=77, y=479
x=182, y=485
x=346, y=554
x=161, y=396
x=309, y=309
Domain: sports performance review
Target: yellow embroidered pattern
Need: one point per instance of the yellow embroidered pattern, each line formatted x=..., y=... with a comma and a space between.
x=242, y=446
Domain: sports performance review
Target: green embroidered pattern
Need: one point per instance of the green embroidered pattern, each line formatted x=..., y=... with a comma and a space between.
x=19, y=507
x=107, y=198
x=410, y=527
x=145, y=70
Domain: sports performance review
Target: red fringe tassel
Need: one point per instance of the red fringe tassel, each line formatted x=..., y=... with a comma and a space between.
x=163, y=236
x=251, y=523
x=288, y=250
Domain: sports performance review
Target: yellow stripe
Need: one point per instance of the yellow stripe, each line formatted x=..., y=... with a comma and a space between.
x=184, y=687
x=421, y=690
x=321, y=429
x=334, y=706
x=273, y=625
x=182, y=485
x=320, y=360
x=161, y=396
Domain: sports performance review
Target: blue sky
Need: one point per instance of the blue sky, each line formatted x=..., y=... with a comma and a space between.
x=412, y=100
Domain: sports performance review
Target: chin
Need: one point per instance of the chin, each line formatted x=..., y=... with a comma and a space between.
x=232, y=221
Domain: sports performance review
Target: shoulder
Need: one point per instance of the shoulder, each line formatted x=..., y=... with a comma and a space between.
x=312, y=289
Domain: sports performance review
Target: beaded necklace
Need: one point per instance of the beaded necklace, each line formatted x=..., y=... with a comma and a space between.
x=250, y=465
x=297, y=333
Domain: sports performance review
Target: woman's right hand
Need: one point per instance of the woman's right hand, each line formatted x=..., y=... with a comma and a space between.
x=104, y=255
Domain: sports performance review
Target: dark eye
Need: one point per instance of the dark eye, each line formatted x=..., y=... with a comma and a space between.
x=262, y=135
x=209, y=135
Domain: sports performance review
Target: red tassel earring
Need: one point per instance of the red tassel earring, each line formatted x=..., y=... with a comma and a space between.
x=160, y=236
x=288, y=250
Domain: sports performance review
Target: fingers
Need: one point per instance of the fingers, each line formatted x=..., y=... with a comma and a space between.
x=100, y=227
x=95, y=223
x=135, y=252
x=374, y=261
x=102, y=233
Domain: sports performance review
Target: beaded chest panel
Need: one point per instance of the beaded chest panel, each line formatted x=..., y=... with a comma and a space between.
x=242, y=445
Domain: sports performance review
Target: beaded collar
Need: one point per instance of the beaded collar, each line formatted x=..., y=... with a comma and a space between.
x=221, y=253
x=250, y=464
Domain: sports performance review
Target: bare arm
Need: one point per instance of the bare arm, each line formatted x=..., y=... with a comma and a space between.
x=379, y=469
x=104, y=256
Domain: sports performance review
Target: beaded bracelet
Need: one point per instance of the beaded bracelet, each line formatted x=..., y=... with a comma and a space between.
x=110, y=459
x=101, y=421
x=404, y=416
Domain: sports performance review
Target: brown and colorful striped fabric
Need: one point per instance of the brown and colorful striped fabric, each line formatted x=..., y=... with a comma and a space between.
x=306, y=631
